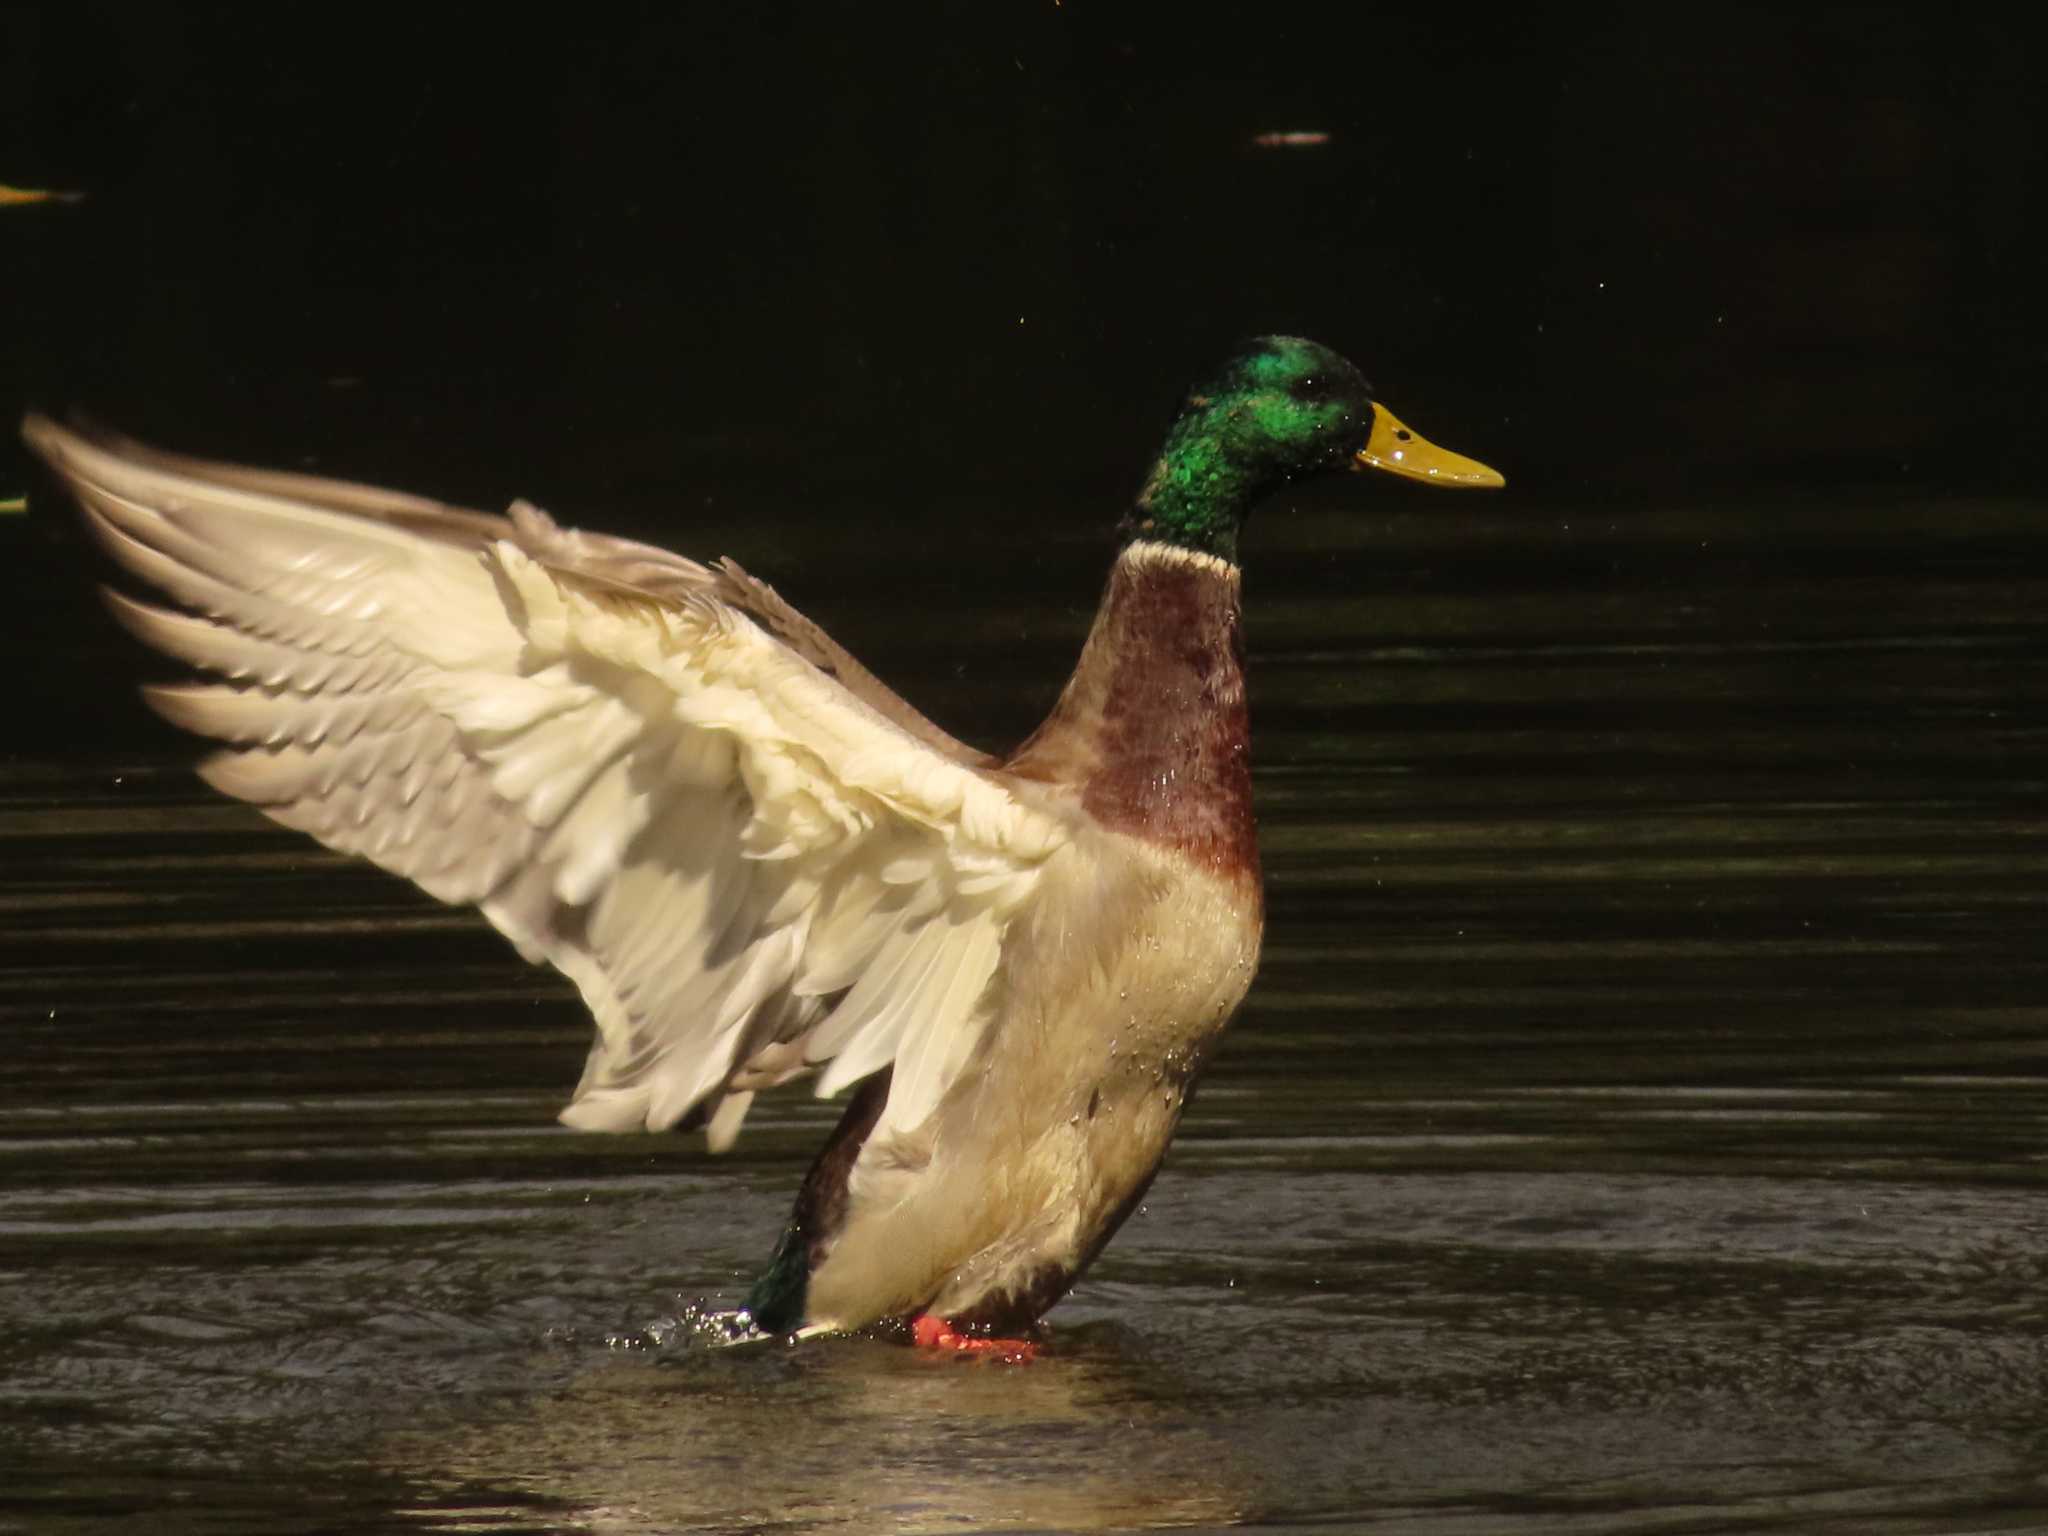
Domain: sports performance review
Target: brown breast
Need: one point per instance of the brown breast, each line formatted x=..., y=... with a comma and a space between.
x=1153, y=728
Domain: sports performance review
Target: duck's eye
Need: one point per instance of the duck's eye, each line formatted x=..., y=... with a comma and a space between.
x=1313, y=390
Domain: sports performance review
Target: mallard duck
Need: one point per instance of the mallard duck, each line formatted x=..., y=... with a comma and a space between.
x=757, y=863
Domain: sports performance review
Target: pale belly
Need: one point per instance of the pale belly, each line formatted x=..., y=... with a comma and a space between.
x=1107, y=1012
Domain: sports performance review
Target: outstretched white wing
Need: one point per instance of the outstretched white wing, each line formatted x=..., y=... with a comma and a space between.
x=750, y=858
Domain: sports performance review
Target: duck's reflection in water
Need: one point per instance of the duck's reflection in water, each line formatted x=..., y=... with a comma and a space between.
x=837, y=1435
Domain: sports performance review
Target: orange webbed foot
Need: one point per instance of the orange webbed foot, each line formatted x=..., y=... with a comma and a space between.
x=929, y=1332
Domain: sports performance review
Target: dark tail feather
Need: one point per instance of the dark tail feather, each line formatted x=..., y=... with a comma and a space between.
x=778, y=1297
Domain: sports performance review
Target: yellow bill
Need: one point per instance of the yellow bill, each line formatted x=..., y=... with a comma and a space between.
x=1400, y=450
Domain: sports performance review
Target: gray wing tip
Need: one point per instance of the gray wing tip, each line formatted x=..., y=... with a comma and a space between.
x=48, y=440
x=58, y=442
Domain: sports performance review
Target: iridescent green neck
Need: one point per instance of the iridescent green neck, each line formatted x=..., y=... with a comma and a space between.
x=1283, y=408
x=1195, y=497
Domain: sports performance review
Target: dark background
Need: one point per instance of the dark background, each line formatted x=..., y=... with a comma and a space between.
x=738, y=278
x=1637, y=1119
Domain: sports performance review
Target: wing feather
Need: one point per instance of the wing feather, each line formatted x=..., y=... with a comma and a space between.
x=930, y=1055
x=752, y=859
x=881, y=1018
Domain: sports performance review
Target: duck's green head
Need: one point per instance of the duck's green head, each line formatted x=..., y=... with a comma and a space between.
x=1282, y=408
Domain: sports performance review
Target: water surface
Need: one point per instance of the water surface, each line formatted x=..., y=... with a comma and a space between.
x=1639, y=1122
